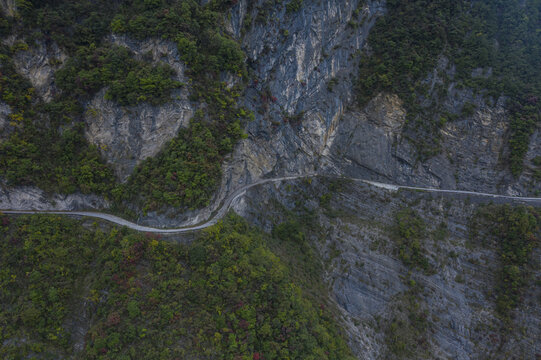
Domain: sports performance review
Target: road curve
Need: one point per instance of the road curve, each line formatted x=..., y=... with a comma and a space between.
x=227, y=202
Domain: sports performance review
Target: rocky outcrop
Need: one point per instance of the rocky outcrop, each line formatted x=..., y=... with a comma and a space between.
x=31, y=198
x=5, y=110
x=304, y=65
x=128, y=135
x=38, y=64
x=370, y=284
x=469, y=160
x=8, y=7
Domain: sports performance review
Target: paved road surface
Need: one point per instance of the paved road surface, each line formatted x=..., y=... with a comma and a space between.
x=226, y=204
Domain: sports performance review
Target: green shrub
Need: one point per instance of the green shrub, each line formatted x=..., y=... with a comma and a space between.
x=237, y=300
x=294, y=6
x=514, y=229
x=130, y=82
x=410, y=230
x=407, y=42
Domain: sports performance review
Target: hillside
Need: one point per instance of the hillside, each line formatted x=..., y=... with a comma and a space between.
x=162, y=112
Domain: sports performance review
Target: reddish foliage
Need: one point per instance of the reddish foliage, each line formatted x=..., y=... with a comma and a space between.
x=243, y=324
x=113, y=319
x=257, y=356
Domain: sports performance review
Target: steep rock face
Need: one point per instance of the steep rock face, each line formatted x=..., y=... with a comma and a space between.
x=27, y=197
x=5, y=110
x=38, y=64
x=304, y=65
x=128, y=135
x=470, y=156
x=531, y=175
x=371, y=285
x=297, y=104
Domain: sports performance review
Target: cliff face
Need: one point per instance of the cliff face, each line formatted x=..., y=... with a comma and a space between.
x=310, y=73
x=128, y=135
x=455, y=300
x=4, y=119
x=38, y=64
x=304, y=65
x=306, y=117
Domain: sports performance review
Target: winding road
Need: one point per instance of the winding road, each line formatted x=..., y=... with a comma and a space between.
x=227, y=202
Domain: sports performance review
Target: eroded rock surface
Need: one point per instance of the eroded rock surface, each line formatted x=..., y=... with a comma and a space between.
x=128, y=135
x=31, y=198
x=38, y=64
x=304, y=65
x=370, y=284
x=5, y=110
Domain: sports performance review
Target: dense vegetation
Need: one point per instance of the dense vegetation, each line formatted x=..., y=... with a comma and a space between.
x=515, y=231
x=499, y=36
x=406, y=334
x=195, y=29
x=294, y=6
x=409, y=230
x=225, y=296
x=46, y=146
x=130, y=82
x=188, y=169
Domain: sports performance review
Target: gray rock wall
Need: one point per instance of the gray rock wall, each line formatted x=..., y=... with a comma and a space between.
x=38, y=64
x=128, y=135
x=32, y=198
x=5, y=110
x=305, y=64
x=369, y=282
x=294, y=57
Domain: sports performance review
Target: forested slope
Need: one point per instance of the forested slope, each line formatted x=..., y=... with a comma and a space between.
x=68, y=291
